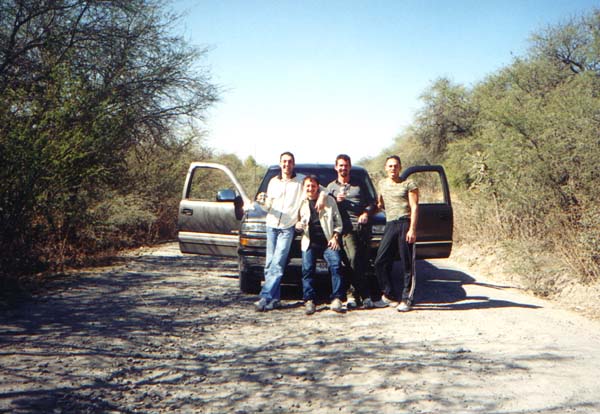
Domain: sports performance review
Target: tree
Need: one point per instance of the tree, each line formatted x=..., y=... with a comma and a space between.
x=574, y=44
x=537, y=127
x=447, y=115
x=82, y=84
x=248, y=172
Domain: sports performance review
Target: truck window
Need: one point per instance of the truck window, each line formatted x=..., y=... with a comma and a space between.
x=206, y=182
x=325, y=175
x=430, y=187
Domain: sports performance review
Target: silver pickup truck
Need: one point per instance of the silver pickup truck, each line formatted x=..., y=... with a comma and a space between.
x=217, y=217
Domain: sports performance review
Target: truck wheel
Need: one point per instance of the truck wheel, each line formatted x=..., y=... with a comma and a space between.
x=249, y=282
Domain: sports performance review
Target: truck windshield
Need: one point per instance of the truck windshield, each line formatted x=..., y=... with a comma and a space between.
x=326, y=174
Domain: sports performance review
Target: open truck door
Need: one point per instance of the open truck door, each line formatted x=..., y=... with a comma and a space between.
x=211, y=210
x=435, y=225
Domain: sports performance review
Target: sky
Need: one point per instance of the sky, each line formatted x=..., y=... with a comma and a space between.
x=319, y=78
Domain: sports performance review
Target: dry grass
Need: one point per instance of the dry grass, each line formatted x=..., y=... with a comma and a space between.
x=559, y=266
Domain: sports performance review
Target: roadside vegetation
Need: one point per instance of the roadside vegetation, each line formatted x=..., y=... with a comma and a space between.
x=100, y=114
x=522, y=150
x=101, y=110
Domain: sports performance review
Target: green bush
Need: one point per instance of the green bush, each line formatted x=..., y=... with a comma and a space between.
x=85, y=101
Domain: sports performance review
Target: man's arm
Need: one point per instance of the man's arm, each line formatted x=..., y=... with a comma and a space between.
x=337, y=225
x=266, y=199
x=369, y=205
x=302, y=223
x=413, y=201
x=380, y=203
x=320, y=204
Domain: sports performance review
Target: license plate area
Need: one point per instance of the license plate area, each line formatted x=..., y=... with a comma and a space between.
x=321, y=266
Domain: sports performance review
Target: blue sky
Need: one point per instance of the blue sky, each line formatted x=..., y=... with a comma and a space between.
x=322, y=77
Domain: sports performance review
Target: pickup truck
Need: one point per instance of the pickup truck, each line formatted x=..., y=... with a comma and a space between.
x=217, y=217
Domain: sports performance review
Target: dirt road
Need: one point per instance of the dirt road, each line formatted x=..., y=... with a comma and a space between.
x=159, y=332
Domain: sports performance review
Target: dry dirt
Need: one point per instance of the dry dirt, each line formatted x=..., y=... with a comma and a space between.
x=159, y=332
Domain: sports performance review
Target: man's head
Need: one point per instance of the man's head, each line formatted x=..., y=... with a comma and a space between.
x=311, y=186
x=286, y=163
x=343, y=166
x=393, y=165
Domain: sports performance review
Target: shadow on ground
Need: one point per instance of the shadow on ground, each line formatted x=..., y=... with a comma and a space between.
x=443, y=289
x=437, y=289
x=132, y=340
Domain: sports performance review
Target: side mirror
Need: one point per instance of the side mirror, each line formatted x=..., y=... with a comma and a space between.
x=226, y=196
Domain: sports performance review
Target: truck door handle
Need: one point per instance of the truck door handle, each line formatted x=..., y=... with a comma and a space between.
x=187, y=211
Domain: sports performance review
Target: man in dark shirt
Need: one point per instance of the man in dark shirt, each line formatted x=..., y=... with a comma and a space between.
x=356, y=204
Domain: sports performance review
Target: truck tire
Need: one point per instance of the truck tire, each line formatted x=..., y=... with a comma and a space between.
x=249, y=282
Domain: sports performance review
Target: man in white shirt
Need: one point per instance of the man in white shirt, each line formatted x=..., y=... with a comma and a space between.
x=282, y=201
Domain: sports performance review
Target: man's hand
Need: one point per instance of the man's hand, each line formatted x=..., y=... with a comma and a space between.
x=411, y=236
x=302, y=225
x=363, y=218
x=380, y=203
x=333, y=243
x=261, y=198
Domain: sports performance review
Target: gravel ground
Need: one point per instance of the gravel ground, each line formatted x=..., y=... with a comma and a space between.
x=161, y=332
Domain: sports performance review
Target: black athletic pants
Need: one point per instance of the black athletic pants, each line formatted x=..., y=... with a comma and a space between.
x=393, y=244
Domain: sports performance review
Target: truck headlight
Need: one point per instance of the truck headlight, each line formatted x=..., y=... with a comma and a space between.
x=253, y=227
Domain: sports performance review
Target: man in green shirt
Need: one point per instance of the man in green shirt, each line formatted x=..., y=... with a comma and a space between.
x=400, y=200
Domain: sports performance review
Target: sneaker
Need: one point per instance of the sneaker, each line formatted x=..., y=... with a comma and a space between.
x=390, y=302
x=336, y=305
x=260, y=305
x=380, y=304
x=368, y=304
x=274, y=304
x=351, y=303
x=403, y=307
x=309, y=307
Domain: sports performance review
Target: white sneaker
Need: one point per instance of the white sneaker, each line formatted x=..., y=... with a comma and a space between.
x=351, y=303
x=336, y=305
x=260, y=305
x=403, y=307
x=309, y=307
x=390, y=302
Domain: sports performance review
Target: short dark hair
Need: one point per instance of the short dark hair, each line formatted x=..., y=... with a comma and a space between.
x=343, y=157
x=394, y=157
x=287, y=153
x=311, y=177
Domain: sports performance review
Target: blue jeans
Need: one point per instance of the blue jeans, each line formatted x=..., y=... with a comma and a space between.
x=334, y=261
x=279, y=242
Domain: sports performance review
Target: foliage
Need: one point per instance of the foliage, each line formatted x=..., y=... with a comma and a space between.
x=574, y=45
x=407, y=146
x=86, y=87
x=248, y=172
x=447, y=116
x=533, y=151
x=521, y=150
